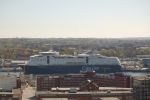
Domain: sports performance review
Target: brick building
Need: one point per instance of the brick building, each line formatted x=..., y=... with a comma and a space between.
x=46, y=82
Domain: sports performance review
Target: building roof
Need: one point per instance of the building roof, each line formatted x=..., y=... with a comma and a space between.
x=54, y=98
x=142, y=78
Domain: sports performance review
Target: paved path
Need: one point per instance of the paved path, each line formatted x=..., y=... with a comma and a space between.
x=28, y=93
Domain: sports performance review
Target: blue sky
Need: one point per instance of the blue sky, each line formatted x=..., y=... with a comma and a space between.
x=75, y=18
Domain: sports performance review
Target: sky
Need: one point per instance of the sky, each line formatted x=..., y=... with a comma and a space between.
x=74, y=18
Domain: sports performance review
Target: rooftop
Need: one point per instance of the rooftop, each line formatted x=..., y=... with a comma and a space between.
x=142, y=78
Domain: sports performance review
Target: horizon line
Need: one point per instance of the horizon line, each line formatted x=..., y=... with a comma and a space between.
x=71, y=37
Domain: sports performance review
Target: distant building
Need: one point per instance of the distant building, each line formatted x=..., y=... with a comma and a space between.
x=143, y=56
x=146, y=62
x=141, y=88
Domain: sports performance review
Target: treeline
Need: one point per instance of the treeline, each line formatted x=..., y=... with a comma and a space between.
x=118, y=52
x=74, y=42
x=22, y=48
x=17, y=53
x=127, y=52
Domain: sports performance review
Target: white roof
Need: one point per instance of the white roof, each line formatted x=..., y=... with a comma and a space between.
x=83, y=54
x=48, y=52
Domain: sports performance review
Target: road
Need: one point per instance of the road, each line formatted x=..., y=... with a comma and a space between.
x=28, y=93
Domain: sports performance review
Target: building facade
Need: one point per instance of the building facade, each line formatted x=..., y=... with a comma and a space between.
x=46, y=82
x=141, y=88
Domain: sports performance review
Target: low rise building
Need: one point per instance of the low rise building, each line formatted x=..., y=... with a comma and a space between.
x=85, y=86
x=141, y=87
x=9, y=82
x=46, y=82
x=15, y=94
x=64, y=94
x=10, y=87
x=146, y=62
